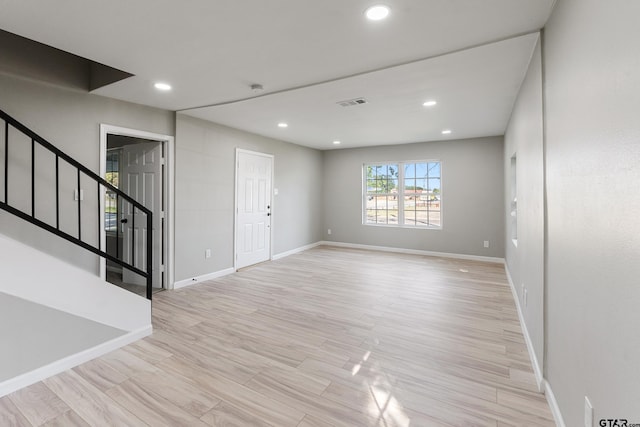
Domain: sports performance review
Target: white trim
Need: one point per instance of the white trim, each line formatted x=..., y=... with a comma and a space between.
x=169, y=186
x=537, y=370
x=401, y=183
x=414, y=252
x=235, y=203
x=296, y=250
x=553, y=405
x=186, y=282
x=54, y=368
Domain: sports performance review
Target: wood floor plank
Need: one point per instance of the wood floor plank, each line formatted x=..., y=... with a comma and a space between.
x=311, y=421
x=241, y=397
x=38, y=404
x=126, y=363
x=333, y=412
x=147, y=351
x=225, y=414
x=326, y=337
x=151, y=407
x=90, y=403
x=10, y=415
x=100, y=374
x=68, y=419
x=187, y=396
x=199, y=355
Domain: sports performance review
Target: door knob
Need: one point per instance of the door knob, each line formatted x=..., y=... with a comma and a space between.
x=124, y=220
x=268, y=213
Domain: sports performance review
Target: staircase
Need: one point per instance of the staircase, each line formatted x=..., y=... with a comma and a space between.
x=55, y=315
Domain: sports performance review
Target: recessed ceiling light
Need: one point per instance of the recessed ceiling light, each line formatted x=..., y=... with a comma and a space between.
x=282, y=125
x=162, y=86
x=429, y=103
x=336, y=142
x=446, y=131
x=377, y=12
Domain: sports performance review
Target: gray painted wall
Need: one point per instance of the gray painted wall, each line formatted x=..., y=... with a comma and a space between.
x=472, y=197
x=592, y=74
x=70, y=120
x=525, y=262
x=205, y=176
x=33, y=335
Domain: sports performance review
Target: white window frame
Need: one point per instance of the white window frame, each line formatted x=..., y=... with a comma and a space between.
x=400, y=194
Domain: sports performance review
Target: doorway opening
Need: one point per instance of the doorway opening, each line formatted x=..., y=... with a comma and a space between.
x=137, y=163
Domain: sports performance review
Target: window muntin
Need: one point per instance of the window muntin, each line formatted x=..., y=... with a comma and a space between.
x=403, y=194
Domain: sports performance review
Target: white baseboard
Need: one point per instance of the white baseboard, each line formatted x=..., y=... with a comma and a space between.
x=553, y=404
x=202, y=278
x=39, y=374
x=295, y=251
x=527, y=338
x=413, y=251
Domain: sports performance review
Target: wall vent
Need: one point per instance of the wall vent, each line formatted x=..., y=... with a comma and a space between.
x=352, y=102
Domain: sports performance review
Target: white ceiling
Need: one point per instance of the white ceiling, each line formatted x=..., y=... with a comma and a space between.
x=466, y=54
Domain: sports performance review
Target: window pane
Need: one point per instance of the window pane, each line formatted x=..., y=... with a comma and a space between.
x=434, y=219
x=422, y=170
x=371, y=216
x=434, y=169
x=381, y=216
x=409, y=185
x=410, y=170
x=392, y=206
x=371, y=202
x=421, y=184
x=409, y=203
x=371, y=174
x=393, y=185
x=422, y=217
x=380, y=185
x=433, y=183
x=409, y=217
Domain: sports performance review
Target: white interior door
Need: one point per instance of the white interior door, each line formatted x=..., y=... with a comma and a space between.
x=253, y=207
x=141, y=179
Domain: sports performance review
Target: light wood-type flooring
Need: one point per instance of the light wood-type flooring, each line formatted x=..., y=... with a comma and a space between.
x=327, y=337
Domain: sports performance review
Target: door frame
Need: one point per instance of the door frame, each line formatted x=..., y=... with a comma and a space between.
x=168, y=185
x=235, y=203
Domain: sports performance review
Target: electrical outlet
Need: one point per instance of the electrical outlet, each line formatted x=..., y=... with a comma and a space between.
x=207, y=253
x=486, y=243
x=588, y=413
x=75, y=195
x=329, y=232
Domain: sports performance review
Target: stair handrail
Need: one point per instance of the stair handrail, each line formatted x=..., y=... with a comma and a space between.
x=35, y=138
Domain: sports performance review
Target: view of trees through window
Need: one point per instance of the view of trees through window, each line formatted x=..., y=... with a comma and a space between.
x=403, y=194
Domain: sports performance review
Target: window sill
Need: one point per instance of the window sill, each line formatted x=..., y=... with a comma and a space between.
x=415, y=227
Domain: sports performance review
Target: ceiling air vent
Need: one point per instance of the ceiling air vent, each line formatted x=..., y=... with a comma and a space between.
x=352, y=102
